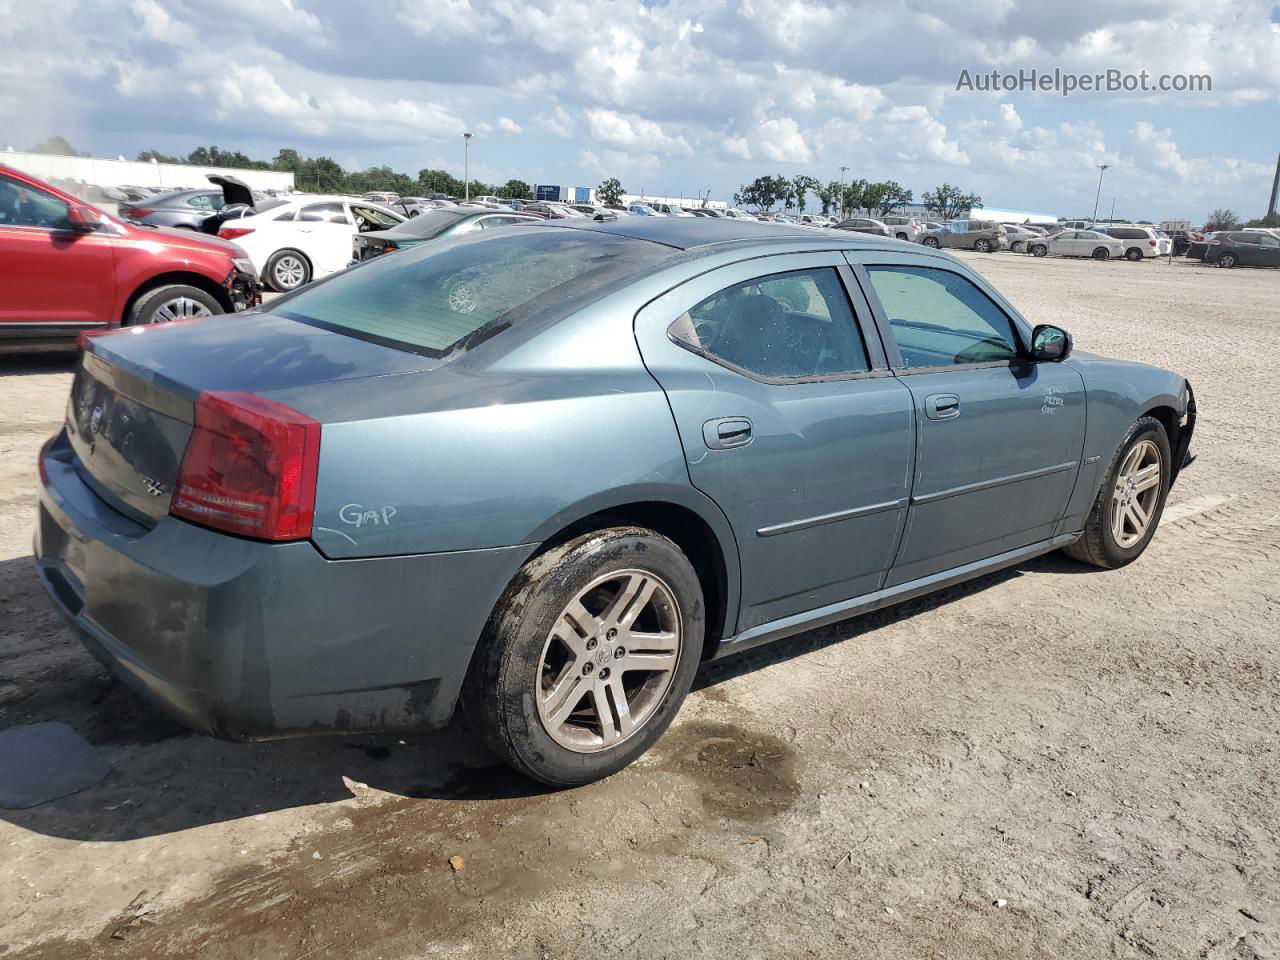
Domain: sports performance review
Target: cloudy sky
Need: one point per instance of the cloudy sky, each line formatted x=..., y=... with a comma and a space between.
x=672, y=97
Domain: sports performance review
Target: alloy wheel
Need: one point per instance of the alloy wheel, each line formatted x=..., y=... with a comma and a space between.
x=609, y=660
x=180, y=308
x=1227, y=260
x=289, y=271
x=1136, y=493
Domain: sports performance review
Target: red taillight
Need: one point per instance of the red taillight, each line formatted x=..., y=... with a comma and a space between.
x=250, y=468
x=233, y=233
x=139, y=212
x=44, y=452
x=1151, y=243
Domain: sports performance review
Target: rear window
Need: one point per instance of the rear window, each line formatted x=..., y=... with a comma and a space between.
x=449, y=296
x=1128, y=233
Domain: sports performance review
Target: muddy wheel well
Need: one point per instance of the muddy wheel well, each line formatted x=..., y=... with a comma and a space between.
x=689, y=531
x=1168, y=418
x=197, y=280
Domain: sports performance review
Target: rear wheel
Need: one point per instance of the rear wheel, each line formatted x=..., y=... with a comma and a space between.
x=1039, y=250
x=287, y=270
x=983, y=246
x=901, y=236
x=1101, y=253
x=588, y=656
x=176, y=301
x=1133, y=254
x=932, y=242
x=1227, y=260
x=1129, y=505
x=1015, y=247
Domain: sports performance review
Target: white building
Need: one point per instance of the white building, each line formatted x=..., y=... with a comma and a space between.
x=116, y=173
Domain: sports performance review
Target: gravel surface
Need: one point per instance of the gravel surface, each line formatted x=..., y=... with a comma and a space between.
x=1051, y=762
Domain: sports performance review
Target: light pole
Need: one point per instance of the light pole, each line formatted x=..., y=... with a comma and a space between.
x=466, y=165
x=1102, y=168
x=842, y=170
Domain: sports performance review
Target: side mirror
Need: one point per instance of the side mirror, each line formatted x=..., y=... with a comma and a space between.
x=1050, y=344
x=82, y=219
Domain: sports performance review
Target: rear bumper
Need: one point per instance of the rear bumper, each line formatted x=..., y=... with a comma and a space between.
x=245, y=640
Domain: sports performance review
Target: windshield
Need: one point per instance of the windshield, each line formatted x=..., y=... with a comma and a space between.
x=444, y=298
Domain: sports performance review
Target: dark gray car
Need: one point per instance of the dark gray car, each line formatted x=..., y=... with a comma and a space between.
x=186, y=209
x=548, y=470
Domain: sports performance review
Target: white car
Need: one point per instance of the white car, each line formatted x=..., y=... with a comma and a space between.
x=671, y=210
x=737, y=214
x=1079, y=243
x=643, y=210
x=305, y=238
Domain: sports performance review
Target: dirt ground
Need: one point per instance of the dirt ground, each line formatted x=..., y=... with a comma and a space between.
x=1051, y=762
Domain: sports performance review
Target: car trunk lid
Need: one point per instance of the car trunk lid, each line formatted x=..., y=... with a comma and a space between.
x=132, y=405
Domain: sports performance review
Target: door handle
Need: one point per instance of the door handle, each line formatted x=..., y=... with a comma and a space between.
x=726, y=432
x=942, y=406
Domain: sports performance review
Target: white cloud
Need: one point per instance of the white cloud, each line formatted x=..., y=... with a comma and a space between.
x=736, y=147
x=507, y=125
x=628, y=130
x=558, y=123
x=921, y=135
x=780, y=140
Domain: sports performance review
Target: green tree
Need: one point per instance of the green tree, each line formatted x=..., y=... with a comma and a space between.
x=855, y=197
x=948, y=202
x=802, y=185
x=515, y=189
x=610, y=192
x=58, y=146
x=1224, y=218
x=828, y=195
x=146, y=156
x=439, y=181
x=1270, y=220
x=763, y=193
x=891, y=194
x=288, y=160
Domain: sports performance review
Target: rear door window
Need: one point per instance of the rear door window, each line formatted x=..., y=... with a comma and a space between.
x=323, y=213
x=784, y=326
x=444, y=298
x=940, y=318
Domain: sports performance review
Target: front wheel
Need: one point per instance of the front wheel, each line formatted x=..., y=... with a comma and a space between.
x=177, y=301
x=983, y=246
x=1039, y=250
x=1129, y=505
x=1015, y=247
x=932, y=242
x=901, y=236
x=1101, y=253
x=588, y=656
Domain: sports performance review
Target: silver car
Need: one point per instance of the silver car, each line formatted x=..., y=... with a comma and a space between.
x=904, y=228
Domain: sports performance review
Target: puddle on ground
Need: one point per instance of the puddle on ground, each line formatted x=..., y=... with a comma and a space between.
x=742, y=774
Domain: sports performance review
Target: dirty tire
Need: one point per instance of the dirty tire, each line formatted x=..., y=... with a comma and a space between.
x=1101, y=253
x=932, y=242
x=500, y=693
x=983, y=246
x=1098, y=546
x=158, y=305
x=1227, y=260
x=1039, y=250
x=900, y=235
x=1133, y=254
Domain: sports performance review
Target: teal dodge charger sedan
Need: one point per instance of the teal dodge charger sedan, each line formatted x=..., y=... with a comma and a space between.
x=545, y=471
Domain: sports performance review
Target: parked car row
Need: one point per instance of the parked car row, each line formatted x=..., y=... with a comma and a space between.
x=71, y=268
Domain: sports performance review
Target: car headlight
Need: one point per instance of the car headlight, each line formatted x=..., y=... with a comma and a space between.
x=245, y=265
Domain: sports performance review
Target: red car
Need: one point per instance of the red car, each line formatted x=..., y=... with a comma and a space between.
x=67, y=267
